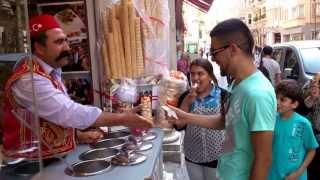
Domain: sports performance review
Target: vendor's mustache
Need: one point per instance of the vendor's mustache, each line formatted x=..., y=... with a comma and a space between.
x=64, y=54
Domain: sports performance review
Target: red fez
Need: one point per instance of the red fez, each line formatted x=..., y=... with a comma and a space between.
x=42, y=23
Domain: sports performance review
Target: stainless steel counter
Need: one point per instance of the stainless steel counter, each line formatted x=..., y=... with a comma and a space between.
x=151, y=168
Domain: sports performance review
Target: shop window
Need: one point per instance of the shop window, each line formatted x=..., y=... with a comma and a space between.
x=284, y=14
x=315, y=9
x=286, y=38
x=12, y=25
x=297, y=37
x=301, y=10
x=277, y=37
x=315, y=35
x=264, y=12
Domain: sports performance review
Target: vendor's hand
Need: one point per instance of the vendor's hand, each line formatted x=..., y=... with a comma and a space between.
x=134, y=120
x=89, y=136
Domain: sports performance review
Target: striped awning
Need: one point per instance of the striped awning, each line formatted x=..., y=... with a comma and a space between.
x=202, y=5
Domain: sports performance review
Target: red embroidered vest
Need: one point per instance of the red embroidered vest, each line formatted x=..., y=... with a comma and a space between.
x=18, y=140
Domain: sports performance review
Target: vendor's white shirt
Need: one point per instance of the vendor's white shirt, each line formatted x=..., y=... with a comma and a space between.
x=53, y=104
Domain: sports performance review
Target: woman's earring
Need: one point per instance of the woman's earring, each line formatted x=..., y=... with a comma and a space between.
x=212, y=82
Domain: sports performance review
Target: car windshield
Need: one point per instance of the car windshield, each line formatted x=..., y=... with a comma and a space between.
x=311, y=59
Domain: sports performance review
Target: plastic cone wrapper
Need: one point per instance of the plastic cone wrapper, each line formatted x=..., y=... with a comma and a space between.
x=172, y=86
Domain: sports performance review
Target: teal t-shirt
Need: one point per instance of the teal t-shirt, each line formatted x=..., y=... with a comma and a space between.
x=292, y=139
x=252, y=107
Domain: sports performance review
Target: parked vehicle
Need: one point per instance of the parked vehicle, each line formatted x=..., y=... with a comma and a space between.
x=298, y=60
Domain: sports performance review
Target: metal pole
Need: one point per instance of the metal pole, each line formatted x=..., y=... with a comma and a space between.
x=34, y=100
x=315, y=19
x=19, y=39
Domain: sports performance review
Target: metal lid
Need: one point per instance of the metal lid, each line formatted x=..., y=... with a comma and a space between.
x=133, y=159
x=88, y=168
x=108, y=143
x=99, y=154
x=144, y=146
x=149, y=136
x=117, y=134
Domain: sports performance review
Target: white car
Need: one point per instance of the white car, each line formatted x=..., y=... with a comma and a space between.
x=298, y=60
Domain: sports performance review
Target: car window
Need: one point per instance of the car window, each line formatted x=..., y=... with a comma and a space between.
x=277, y=54
x=291, y=61
x=311, y=59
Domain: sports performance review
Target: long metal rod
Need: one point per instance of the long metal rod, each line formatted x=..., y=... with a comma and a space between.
x=34, y=102
x=315, y=19
x=35, y=105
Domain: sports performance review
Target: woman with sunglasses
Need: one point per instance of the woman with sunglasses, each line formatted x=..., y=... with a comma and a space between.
x=202, y=146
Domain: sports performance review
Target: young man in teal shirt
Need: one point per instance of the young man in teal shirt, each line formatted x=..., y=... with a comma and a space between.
x=294, y=143
x=250, y=113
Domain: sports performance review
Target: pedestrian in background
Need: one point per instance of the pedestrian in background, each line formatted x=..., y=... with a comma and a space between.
x=183, y=64
x=313, y=101
x=271, y=65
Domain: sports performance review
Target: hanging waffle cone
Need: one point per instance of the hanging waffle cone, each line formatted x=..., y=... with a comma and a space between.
x=116, y=42
x=140, y=63
x=106, y=60
x=113, y=63
x=121, y=64
x=126, y=36
x=132, y=24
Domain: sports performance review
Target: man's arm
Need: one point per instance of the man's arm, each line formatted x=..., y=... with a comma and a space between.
x=262, y=150
x=307, y=160
x=129, y=119
x=58, y=108
x=277, y=78
x=206, y=121
x=185, y=105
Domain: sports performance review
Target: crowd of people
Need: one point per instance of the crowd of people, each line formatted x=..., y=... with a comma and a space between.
x=254, y=129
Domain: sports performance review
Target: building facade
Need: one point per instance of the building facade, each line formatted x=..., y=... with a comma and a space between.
x=275, y=21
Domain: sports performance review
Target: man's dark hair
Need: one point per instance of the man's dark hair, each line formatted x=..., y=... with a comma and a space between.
x=206, y=65
x=290, y=88
x=267, y=50
x=40, y=38
x=234, y=31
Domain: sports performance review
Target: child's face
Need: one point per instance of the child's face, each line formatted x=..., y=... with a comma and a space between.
x=285, y=104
